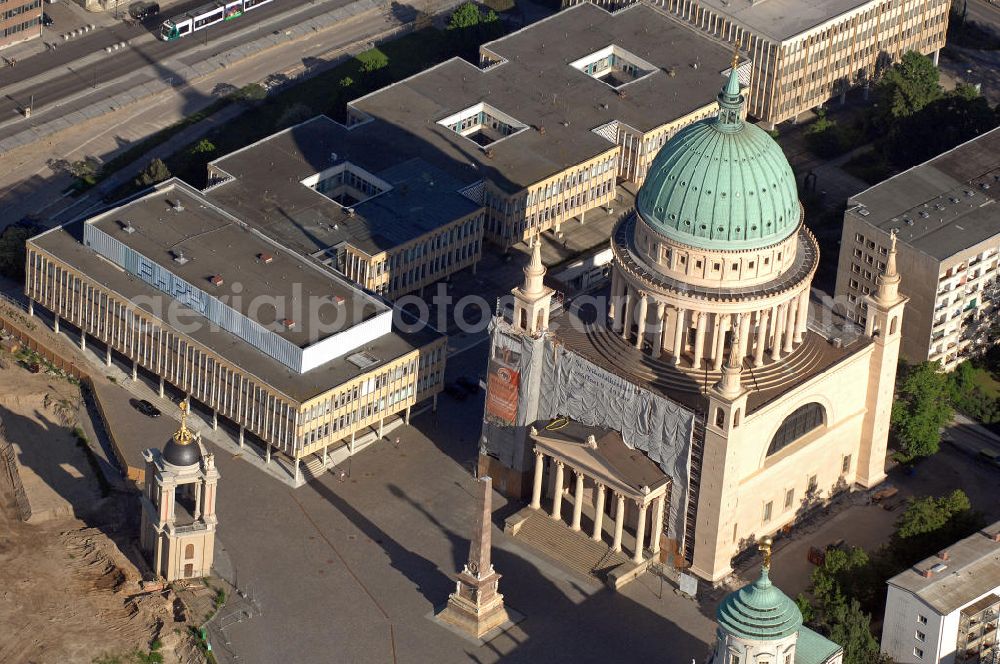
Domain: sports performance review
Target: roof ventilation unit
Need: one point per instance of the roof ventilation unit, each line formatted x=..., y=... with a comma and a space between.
x=179, y=257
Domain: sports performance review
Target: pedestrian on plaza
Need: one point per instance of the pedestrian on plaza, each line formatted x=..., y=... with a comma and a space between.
x=396, y=443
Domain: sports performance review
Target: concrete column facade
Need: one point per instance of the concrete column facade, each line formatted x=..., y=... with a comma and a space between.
x=761, y=342
x=626, y=322
x=55, y=324
x=83, y=340
x=599, y=513
x=679, y=329
x=725, y=322
x=135, y=370
x=661, y=327
x=654, y=538
x=557, y=491
x=578, y=501
x=802, y=320
x=612, y=298
x=790, y=324
x=701, y=320
x=619, y=523
x=640, y=534
x=640, y=333
x=777, y=323
x=241, y=438
x=162, y=391
x=536, y=488
x=406, y=416
x=107, y=354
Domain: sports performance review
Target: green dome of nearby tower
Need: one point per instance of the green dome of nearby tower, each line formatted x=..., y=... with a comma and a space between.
x=721, y=183
x=759, y=612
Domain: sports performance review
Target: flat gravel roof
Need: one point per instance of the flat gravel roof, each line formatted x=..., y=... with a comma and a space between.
x=942, y=206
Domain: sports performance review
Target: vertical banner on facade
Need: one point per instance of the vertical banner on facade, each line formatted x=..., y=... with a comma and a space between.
x=502, y=383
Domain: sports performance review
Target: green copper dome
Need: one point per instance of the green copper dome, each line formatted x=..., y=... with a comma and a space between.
x=759, y=612
x=721, y=183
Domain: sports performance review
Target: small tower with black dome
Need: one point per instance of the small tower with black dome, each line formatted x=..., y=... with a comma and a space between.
x=178, y=506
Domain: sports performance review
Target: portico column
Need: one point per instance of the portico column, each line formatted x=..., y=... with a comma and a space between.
x=31, y=308
x=761, y=342
x=654, y=538
x=135, y=370
x=107, y=354
x=626, y=322
x=802, y=320
x=406, y=416
x=578, y=501
x=640, y=534
x=719, y=353
x=536, y=488
x=557, y=492
x=197, y=501
x=790, y=324
x=679, y=327
x=619, y=523
x=241, y=437
x=776, y=324
x=55, y=324
x=161, y=387
x=643, y=312
x=267, y=453
x=598, y=514
x=700, y=319
x=83, y=340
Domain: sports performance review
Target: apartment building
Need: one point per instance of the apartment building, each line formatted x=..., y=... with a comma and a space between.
x=292, y=354
x=555, y=114
x=392, y=223
x=946, y=218
x=20, y=20
x=944, y=609
x=805, y=52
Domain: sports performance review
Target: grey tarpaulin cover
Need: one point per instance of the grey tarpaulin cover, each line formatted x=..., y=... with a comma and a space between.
x=557, y=382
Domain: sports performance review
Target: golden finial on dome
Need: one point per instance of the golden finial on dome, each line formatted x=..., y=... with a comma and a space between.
x=736, y=54
x=183, y=436
x=765, y=549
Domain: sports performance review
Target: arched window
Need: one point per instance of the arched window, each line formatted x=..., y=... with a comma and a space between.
x=796, y=425
x=189, y=551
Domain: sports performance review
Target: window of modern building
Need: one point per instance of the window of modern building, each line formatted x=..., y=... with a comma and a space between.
x=921, y=619
x=845, y=467
x=789, y=498
x=920, y=636
x=802, y=421
x=768, y=508
x=813, y=484
x=919, y=653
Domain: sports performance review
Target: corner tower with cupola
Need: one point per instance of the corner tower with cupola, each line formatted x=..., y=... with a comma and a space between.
x=178, y=506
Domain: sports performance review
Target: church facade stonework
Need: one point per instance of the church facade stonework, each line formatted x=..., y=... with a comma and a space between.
x=710, y=308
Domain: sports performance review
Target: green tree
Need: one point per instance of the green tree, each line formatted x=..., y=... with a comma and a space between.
x=155, y=172
x=249, y=93
x=346, y=82
x=928, y=514
x=372, y=60
x=921, y=408
x=466, y=16
x=851, y=628
x=908, y=86
x=203, y=146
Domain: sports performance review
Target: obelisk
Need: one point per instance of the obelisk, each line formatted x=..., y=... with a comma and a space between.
x=476, y=606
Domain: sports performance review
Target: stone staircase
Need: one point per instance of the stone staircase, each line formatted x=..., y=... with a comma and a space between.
x=312, y=468
x=573, y=550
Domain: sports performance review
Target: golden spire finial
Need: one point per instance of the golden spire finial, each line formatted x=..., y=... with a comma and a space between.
x=183, y=436
x=765, y=549
x=736, y=54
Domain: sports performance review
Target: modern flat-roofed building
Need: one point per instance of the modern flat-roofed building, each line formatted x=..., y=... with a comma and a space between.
x=944, y=609
x=283, y=347
x=806, y=51
x=390, y=221
x=556, y=113
x=946, y=215
x=20, y=20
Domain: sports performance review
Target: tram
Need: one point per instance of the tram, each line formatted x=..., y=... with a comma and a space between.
x=206, y=15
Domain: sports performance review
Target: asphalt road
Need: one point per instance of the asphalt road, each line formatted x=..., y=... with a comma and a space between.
x=146, y=50
x=985, y=13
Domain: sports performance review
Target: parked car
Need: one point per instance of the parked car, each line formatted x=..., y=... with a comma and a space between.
x=142, y=10
x=47, y=20
x=144, y=407
x=469, y=385
x=455, y=392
